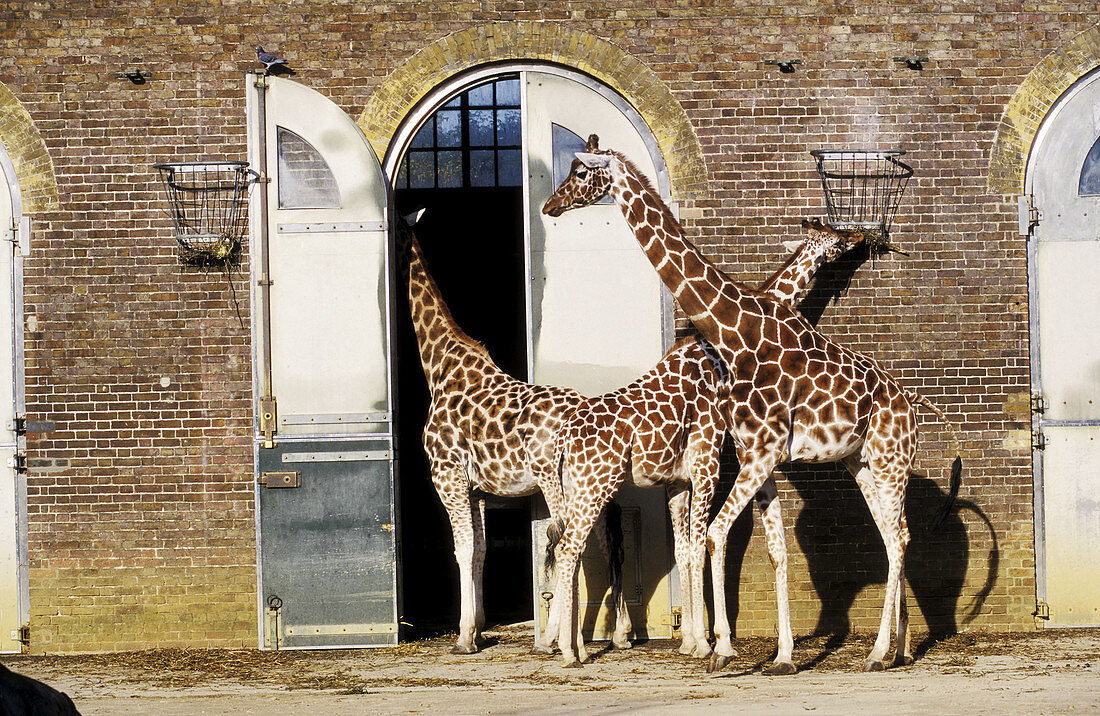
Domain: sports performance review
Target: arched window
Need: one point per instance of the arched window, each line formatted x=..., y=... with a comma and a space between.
x=1089, y=183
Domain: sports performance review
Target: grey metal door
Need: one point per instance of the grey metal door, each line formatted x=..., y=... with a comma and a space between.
x=319, y=235
x=1064, y=270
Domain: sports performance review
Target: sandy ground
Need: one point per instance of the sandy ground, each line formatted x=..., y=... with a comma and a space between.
x=1042, y=672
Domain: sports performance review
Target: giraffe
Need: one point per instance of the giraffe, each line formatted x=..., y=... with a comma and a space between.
x=486, y=432
x=668, y=428
x=795, y=394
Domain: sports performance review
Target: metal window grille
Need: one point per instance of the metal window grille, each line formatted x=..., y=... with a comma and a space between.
x=207, y=202
x=862, y=187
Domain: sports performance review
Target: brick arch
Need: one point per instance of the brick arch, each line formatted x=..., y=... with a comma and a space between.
x=1030, y=105
x=549, y=42
x=28, y=154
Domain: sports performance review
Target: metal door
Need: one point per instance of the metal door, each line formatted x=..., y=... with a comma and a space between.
x=1064, y=276
x=324, y=430
x=15, y=230
x=599, y=315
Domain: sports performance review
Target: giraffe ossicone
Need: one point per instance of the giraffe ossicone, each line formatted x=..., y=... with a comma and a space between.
x=794, y=394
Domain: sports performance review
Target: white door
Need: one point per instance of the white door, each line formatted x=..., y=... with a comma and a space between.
x=1064, y=268
x=13, y=561
x=599, y=315
x=319, y=237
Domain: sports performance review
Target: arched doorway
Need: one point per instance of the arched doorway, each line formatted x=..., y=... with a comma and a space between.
x=568, y=301
x=1063, y=177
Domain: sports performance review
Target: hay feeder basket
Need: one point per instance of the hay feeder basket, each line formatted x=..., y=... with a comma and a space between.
x=862, y=190
x=208, y=202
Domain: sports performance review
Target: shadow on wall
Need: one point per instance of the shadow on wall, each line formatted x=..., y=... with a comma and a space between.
x=844, y=554
x=842, y=547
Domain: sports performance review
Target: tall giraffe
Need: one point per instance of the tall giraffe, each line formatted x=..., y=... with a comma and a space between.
x=795, y=395
x=668, y=428
x=486, y=433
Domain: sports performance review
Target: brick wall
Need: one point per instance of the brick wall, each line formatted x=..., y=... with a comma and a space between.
x=141, y=518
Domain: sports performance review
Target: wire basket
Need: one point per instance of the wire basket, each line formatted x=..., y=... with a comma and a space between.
x=862, y=188
x=208, y=207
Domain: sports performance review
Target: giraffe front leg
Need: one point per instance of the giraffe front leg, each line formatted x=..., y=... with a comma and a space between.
x=704, y=483
x=450, y=486
x=756, y=467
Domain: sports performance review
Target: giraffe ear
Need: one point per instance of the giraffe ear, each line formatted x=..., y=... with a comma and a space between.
x=593, y=144
x=594, y=161
x=792, y=246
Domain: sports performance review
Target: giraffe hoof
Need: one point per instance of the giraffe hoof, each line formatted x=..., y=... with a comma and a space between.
x=873, y=665
x=903, y=660
x=542, y=649
x=702, y=651
x=717, y=662
x=464, y=649
x=687, y=649
x=574, y=664
x=625, y=644
x=780, y=668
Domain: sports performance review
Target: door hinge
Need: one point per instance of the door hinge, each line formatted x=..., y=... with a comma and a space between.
x=674, y=618
x=18, y=461
x=1042, y=610
x=267, y=420
x=1030, y=216
x=1038, y=403
x=1038, y=440
x=281, y=479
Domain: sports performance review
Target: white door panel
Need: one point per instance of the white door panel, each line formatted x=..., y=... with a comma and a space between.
x=1064, y=256
x=599, y=318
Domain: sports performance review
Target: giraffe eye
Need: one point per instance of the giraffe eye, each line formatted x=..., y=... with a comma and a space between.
x=581, y=172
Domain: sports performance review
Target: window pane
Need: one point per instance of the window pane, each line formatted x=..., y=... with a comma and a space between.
x=508, y=127
x=1089, y=183
x=448, y=131
x=423, y=138
x=421, y=170
x=565, y=144
x=510, y=167
x=482, y=169
x=508, y=92
x=403, y=174
x=481, y=96
x=456, y=102
x=305, y=180
x=481, y=127
x=450, y=169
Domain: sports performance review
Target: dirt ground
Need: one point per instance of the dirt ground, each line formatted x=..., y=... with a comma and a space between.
x=1041, y=672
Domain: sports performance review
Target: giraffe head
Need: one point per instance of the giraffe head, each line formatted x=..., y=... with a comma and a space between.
x=589, y=180
x=829, y=243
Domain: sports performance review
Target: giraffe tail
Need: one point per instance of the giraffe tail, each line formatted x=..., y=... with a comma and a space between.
x=955, y=475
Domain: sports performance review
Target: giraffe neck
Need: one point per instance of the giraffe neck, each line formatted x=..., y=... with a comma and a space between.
x=437, y=335
x=696, y=283
x=789, y=283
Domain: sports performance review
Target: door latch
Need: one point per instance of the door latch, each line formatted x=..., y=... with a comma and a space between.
x=275, y=480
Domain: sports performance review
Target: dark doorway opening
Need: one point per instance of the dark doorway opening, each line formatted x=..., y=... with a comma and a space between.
x=464, y=169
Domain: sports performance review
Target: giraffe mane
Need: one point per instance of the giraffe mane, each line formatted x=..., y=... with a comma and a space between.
x=648, y=186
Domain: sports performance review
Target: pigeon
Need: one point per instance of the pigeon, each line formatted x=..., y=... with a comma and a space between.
x=269, y=60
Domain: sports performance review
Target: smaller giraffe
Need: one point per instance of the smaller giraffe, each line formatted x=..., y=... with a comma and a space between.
x=486, y=433
x=668, y=428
